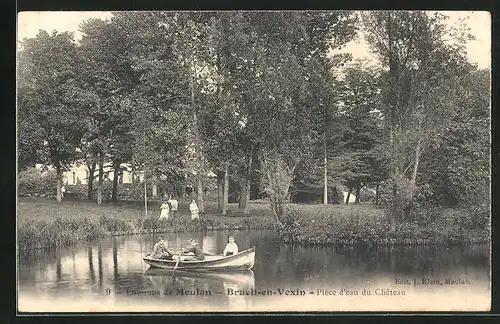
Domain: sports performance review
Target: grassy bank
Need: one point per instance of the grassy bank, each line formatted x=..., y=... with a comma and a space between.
x=44, y=223
x=340, y=224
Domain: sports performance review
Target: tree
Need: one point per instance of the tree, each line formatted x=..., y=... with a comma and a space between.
x=363, y=130
x=456, y=171
x=108, y=77
x=30, y=137
x=287, y=97
x=49, y=93
x=422, y=67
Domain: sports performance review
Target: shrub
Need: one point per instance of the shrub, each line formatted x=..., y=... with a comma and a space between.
x=33, y=182
x=330, y=225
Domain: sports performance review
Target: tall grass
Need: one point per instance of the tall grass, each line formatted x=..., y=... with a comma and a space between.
x=366, y=225
x=44, y=223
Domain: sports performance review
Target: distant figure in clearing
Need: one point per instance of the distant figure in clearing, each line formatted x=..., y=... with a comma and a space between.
x=165, y=210
x=174, y=204
x=194, y=210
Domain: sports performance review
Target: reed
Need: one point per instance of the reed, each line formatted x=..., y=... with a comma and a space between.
x=348, y=226
x=42, y=223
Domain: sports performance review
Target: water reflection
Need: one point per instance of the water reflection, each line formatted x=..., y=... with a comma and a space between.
x=111, y=269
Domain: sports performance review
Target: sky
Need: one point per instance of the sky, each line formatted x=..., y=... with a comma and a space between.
x=478, y=50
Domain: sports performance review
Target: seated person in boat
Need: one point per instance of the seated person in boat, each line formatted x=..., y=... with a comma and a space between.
x=231, y=247
x=160, y=251
x=196, y=249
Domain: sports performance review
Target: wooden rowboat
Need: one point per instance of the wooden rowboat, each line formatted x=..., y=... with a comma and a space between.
x=242, y=261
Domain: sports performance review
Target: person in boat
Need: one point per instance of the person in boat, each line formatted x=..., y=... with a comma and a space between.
x=160, y=250
x=193, y=207
x=231, y=247
x=165, y=210
x=196, y=249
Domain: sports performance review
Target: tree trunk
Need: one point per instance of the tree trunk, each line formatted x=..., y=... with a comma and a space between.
x=248, y=186
x=325, y=176
x=198, y=161
x=155, y=186
x=115, y=181
x=348, y=196
x=225, y=198
x=101, y=178
x=394, y=86
x=145, y=196
x=417, y=160
x=220, y=191
x=247, y=197
x=243, y=195
x=199, y=200
x=245, y=188
x=358, y=189
x=90, y=180
x=377, y=193
x=414, y=179
x=59, y=184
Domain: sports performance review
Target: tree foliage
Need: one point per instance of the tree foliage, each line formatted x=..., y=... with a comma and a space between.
x=253, y=96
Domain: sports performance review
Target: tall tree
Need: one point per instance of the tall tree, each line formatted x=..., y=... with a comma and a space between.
x=49, y=93
x=421, y=65
x=363, y=131
x=456, y=171
x=108, y=77
x=291, y=97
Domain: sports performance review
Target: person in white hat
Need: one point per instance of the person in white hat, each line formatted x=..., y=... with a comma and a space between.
x=231, y=247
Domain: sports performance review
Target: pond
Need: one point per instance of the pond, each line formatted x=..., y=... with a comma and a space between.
x=109, y=275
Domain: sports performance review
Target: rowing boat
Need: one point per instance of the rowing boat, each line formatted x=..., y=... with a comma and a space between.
x=238, y=262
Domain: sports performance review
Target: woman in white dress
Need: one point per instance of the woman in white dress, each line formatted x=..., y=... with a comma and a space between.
x=194, y=210
x=165, y=210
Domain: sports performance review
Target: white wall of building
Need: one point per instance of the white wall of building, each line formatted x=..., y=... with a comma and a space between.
x=79, y=173
x=352, y=197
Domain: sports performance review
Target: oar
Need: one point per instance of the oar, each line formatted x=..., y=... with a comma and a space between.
x=177, y=263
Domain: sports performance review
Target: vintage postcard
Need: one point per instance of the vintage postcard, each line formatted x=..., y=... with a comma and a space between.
x=253, y=161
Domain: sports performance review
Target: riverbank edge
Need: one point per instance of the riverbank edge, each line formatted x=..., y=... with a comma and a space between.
x=43, y=223
x=63, y=234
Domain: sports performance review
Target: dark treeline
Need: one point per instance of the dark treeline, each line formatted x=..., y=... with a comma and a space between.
x=260, y=98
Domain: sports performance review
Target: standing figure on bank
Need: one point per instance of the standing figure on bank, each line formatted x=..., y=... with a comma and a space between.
x=194, y=210
x=165, y=210
x=174, y=204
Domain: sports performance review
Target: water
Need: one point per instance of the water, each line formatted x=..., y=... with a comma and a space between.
x=109, y=276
